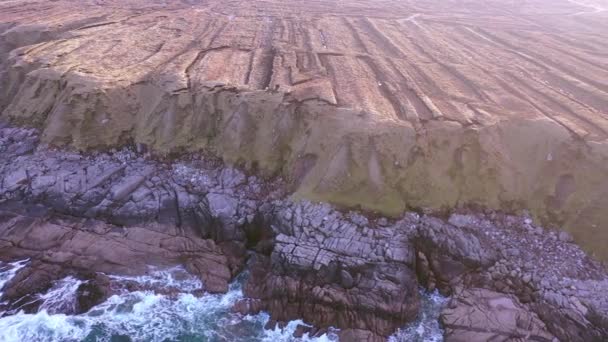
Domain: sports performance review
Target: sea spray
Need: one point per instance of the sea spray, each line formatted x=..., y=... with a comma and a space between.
x=167, y=309
x=147, y=315
x=61, y=297
x=9, y=270
x=426, y=327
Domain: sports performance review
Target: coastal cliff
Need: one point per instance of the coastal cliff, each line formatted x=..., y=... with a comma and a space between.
x=337, y=162
x=117, y=213
x=365, y=113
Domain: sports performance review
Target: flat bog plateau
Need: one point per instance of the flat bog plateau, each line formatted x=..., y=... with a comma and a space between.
x=379, y=105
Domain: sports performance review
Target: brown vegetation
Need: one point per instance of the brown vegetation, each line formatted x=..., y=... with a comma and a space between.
x=383, y=104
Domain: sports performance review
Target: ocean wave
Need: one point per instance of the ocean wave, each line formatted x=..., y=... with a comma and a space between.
x=61, y=297
x=426, y=327
x=147, y=315
x=9, y=270
x=150, y=315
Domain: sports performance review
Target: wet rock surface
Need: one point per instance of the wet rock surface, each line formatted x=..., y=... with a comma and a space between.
x=60, y=246
x=83, y=215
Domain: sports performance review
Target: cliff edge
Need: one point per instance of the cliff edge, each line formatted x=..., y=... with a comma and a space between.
x=383, y=106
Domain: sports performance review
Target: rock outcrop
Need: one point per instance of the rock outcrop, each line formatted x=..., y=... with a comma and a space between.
x=59, y=246
x=78, y=215
x=483, y=315
x=204, y=134
x=339, y=269
x=533, y=269
x=385, y=106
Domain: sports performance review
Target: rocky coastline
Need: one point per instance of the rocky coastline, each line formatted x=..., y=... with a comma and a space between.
x=337, y=97
x=84, y=215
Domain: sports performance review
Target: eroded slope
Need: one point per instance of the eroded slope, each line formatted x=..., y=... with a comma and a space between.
x=383, y=105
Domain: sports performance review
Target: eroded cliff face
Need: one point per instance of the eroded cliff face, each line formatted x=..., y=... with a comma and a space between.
x=355, y=109
x=76, y=215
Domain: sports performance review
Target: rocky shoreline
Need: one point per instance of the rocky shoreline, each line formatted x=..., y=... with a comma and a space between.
x=362, y=115
x=82, y=215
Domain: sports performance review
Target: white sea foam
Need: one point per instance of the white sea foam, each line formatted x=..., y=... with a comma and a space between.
x=426, y=327
x=175, y=277
x=9, y=270
x=61, y=297
x=147, y=316
x=286, y=333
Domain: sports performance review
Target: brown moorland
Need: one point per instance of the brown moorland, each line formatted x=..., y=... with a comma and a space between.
x=383, y=105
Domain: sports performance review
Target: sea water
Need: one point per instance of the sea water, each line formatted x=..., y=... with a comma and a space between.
x=178, y=315
x=426, y=327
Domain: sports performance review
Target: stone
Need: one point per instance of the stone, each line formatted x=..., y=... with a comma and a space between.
x=128, y=185
x=357, y=335
x=43, y=182
x=312, y=298
x=460, y=220
x=222, y=206
x=62, y=246
x=247, y=306
x=230, y=178
x=301, y=330
x=329, y=267
x=92, y=292
x=484, y=315
x=346, y=279
x=15, y=179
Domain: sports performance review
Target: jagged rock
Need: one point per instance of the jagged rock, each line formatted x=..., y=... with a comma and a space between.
x=313, y=298
x=220, y=212
x=484, y=315
x=14, y=180
x=222, y=206
x=61, y=246
x=336, y=99
x=449, y=252
x=357, y=335
x=305, y=277
x=126, y=187
x=571, y=320
x=301, y=330
x=346, y=279
x=247, y=306
x=92, y=292
x=308, y=261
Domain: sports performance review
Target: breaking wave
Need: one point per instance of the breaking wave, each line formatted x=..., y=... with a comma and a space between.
x=147, y=315
x=9, y=270
x=144, y=315
x=426, y=327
